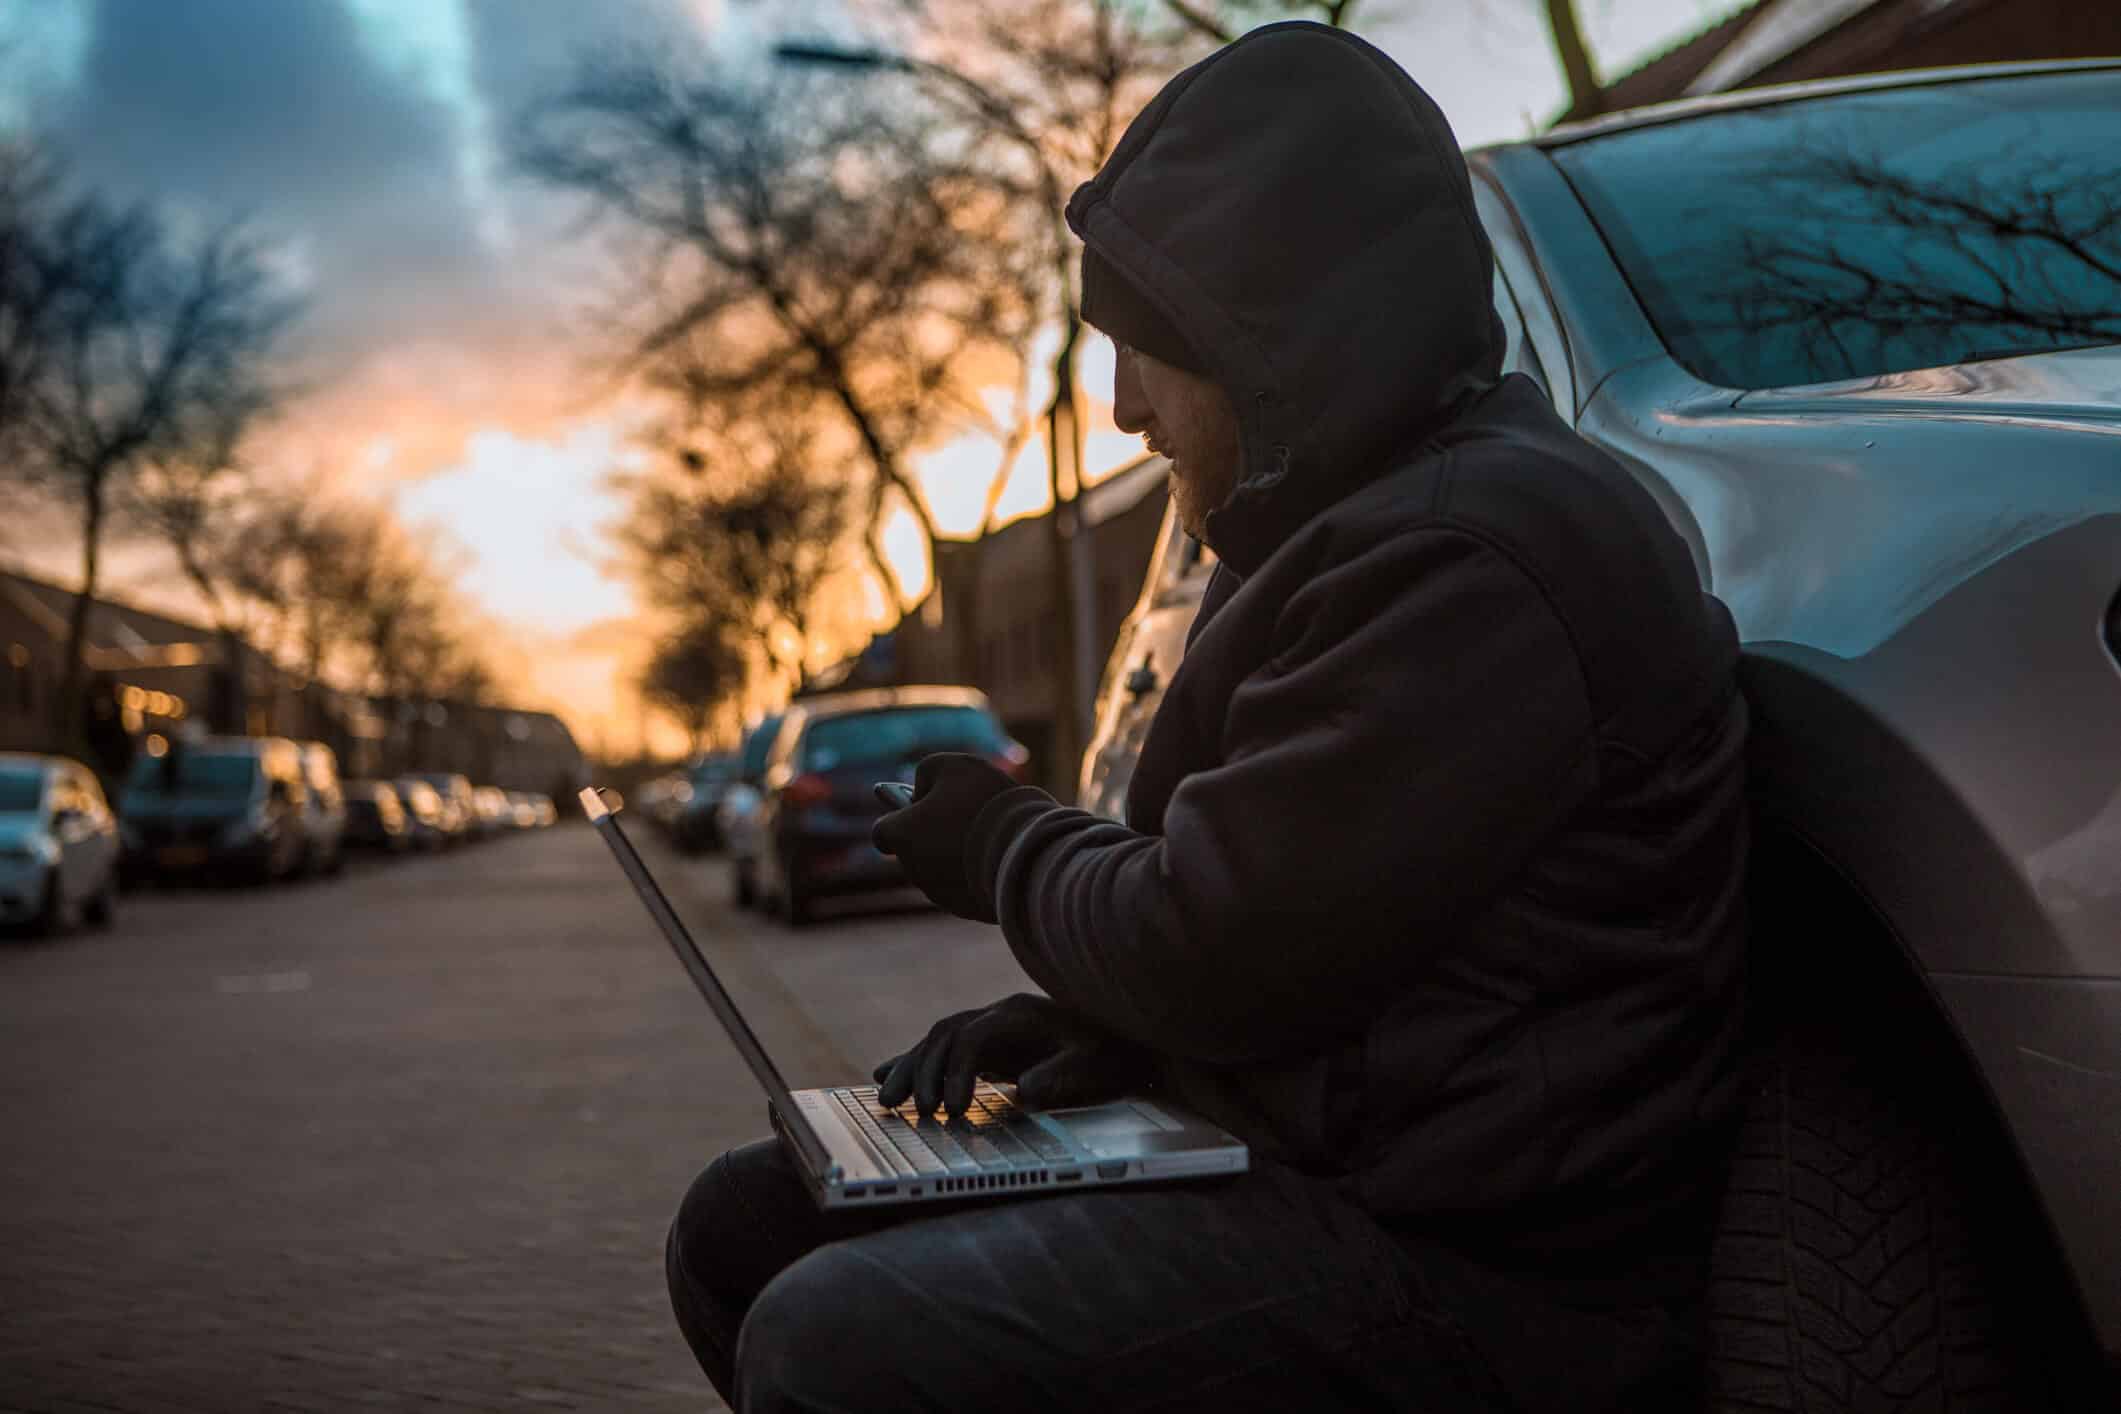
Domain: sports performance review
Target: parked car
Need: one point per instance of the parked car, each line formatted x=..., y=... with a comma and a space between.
x=376, y=818
x=323, y=811
x=1148, y=649
x=491, y=813
x=460, y=813
x=225, y=805
x=58, y=844
x=736, y=817
x=818, y=800
x=1862, y=342
x=696, y=826
x=426, y=815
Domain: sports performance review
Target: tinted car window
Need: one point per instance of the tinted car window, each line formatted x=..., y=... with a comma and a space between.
x=194, y=774
x=893, y=734
x=758, y=745
x=20, y=790
x=1871, y=233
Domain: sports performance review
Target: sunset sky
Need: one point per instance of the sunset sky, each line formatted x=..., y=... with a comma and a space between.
x=445, y=296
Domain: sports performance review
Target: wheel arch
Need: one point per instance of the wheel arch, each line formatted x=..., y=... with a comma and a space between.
x=1849, y=821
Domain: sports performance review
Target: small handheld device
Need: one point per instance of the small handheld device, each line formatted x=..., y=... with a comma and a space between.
x=896, y=794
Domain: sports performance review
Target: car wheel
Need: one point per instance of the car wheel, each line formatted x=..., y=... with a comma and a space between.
x=794, y=898
x=102, y=907
x=51, y=908
x=1862, y=1258
x=799, y=908
x=742, y=887
x=336, y=864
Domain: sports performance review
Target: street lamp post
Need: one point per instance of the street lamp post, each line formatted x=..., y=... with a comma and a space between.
x=1069, y=543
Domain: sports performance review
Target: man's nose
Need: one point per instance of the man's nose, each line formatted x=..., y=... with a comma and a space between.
x=1130, y=410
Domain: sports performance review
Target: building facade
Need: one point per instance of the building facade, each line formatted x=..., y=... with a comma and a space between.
x=149, y=673
x=1784, y=41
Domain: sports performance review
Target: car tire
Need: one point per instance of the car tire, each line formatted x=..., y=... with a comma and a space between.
x=796, y=910
x=102, y=907
x=743, y=889
x=1849, y=1271
x=50, y=920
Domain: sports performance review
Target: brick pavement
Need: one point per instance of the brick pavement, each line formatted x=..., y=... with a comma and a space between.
x=405, y=1140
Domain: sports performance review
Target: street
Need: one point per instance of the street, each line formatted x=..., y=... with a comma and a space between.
x=409, y=1138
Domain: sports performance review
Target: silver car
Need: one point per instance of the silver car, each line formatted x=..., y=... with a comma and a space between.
x=58, y=844
x=1862, y=340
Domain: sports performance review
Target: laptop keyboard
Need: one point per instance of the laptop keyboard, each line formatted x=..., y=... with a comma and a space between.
x=993, y=1135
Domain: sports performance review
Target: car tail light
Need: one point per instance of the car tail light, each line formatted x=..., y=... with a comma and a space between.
x=806, y=790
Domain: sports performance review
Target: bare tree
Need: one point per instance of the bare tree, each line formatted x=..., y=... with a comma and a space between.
x=146, y=346
x=789, y=247
x=195, y=494
x=691, y=675
x=1878, y=262
x=751, y=556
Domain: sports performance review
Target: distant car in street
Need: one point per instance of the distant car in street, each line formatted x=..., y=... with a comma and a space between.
x=736, y=815
x=376, y=818
x=460, y=811
x=491, y=812
x=819, y=801
x=58, y=844
x=323, y=811
x=426, y=816
x=1861, y=340
x=695, y=825
x=1150, y=644
x=223, y=805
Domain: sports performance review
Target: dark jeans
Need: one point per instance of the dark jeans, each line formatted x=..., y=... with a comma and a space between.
x=1266, y=1292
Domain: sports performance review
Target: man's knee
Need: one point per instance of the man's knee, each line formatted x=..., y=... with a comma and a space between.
x=820, y=1337
x=736, y=1226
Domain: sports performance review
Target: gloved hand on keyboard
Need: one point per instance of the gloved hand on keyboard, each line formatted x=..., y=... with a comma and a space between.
x=1054, y=1056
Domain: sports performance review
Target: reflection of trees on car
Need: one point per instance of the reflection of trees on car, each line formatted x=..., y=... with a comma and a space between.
x=1909, y=229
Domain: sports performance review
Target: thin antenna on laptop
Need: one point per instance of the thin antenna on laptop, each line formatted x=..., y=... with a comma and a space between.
x=605, y=818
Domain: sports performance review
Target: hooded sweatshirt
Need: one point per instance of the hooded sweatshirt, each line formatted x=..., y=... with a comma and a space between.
x=1431, y=878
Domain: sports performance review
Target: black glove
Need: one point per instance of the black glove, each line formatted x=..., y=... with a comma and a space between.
x=950, y=789
x=1054, y=1056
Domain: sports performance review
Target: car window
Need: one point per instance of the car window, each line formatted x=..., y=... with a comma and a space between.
x=892, y=734
x=193, y=773
x=1870, y=233
x=20, y=791
x=757, y=745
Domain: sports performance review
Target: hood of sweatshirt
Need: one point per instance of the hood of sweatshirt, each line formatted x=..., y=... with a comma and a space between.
x=1299, y=208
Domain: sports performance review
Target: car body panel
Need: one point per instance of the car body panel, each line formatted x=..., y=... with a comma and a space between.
x=1147, y=650
x=324, y=808
x=68, y=841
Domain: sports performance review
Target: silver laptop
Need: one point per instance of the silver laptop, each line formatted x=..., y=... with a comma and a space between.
x=855, y=1153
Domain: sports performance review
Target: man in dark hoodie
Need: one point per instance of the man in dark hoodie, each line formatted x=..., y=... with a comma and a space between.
x=1430, y=886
